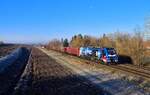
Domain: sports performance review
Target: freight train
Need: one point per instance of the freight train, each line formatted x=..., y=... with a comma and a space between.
x=105, y=55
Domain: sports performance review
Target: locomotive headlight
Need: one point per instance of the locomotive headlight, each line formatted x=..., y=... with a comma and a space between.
x=116, y=60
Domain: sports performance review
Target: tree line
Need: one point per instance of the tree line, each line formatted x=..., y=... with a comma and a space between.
x=124, y=43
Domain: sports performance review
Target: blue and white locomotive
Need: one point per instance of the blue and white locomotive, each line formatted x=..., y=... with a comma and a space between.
x=107, y=55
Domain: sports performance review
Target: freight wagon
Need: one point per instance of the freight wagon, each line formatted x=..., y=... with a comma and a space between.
x=107, y=55
x=72, y=50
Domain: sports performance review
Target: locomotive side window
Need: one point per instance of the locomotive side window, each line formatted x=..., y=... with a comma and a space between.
x=111, y=51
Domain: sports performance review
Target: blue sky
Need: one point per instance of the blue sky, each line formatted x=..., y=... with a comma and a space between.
x=41, y=20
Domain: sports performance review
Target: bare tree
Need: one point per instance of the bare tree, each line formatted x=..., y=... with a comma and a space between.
x=54, y=44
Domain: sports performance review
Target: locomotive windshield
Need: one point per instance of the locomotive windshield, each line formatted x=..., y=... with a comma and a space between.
x=111, y=52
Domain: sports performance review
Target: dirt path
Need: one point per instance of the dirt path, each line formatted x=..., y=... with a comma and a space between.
x=113, y=84
x=51, y=78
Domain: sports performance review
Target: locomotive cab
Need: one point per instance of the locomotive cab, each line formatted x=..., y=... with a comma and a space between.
x=108, y=55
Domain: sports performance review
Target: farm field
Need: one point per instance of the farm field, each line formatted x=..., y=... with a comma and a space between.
x=49, y=77
x=6, y=49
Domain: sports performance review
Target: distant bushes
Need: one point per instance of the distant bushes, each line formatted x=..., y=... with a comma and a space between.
x=54, y=44
x=79, y=41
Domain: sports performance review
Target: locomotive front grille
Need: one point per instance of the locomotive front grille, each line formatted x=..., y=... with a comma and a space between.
x=112, y=59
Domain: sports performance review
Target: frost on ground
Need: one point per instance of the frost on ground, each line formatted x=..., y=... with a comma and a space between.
x=11, y=68
x=7, y=49
x=9, y=59
x=116, y=84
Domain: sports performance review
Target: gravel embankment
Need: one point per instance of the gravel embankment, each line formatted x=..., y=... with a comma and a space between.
x=115, y=83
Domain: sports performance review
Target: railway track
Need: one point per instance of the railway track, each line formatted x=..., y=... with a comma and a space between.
x=127, y=68
x=138, y=67
x=132, y=69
